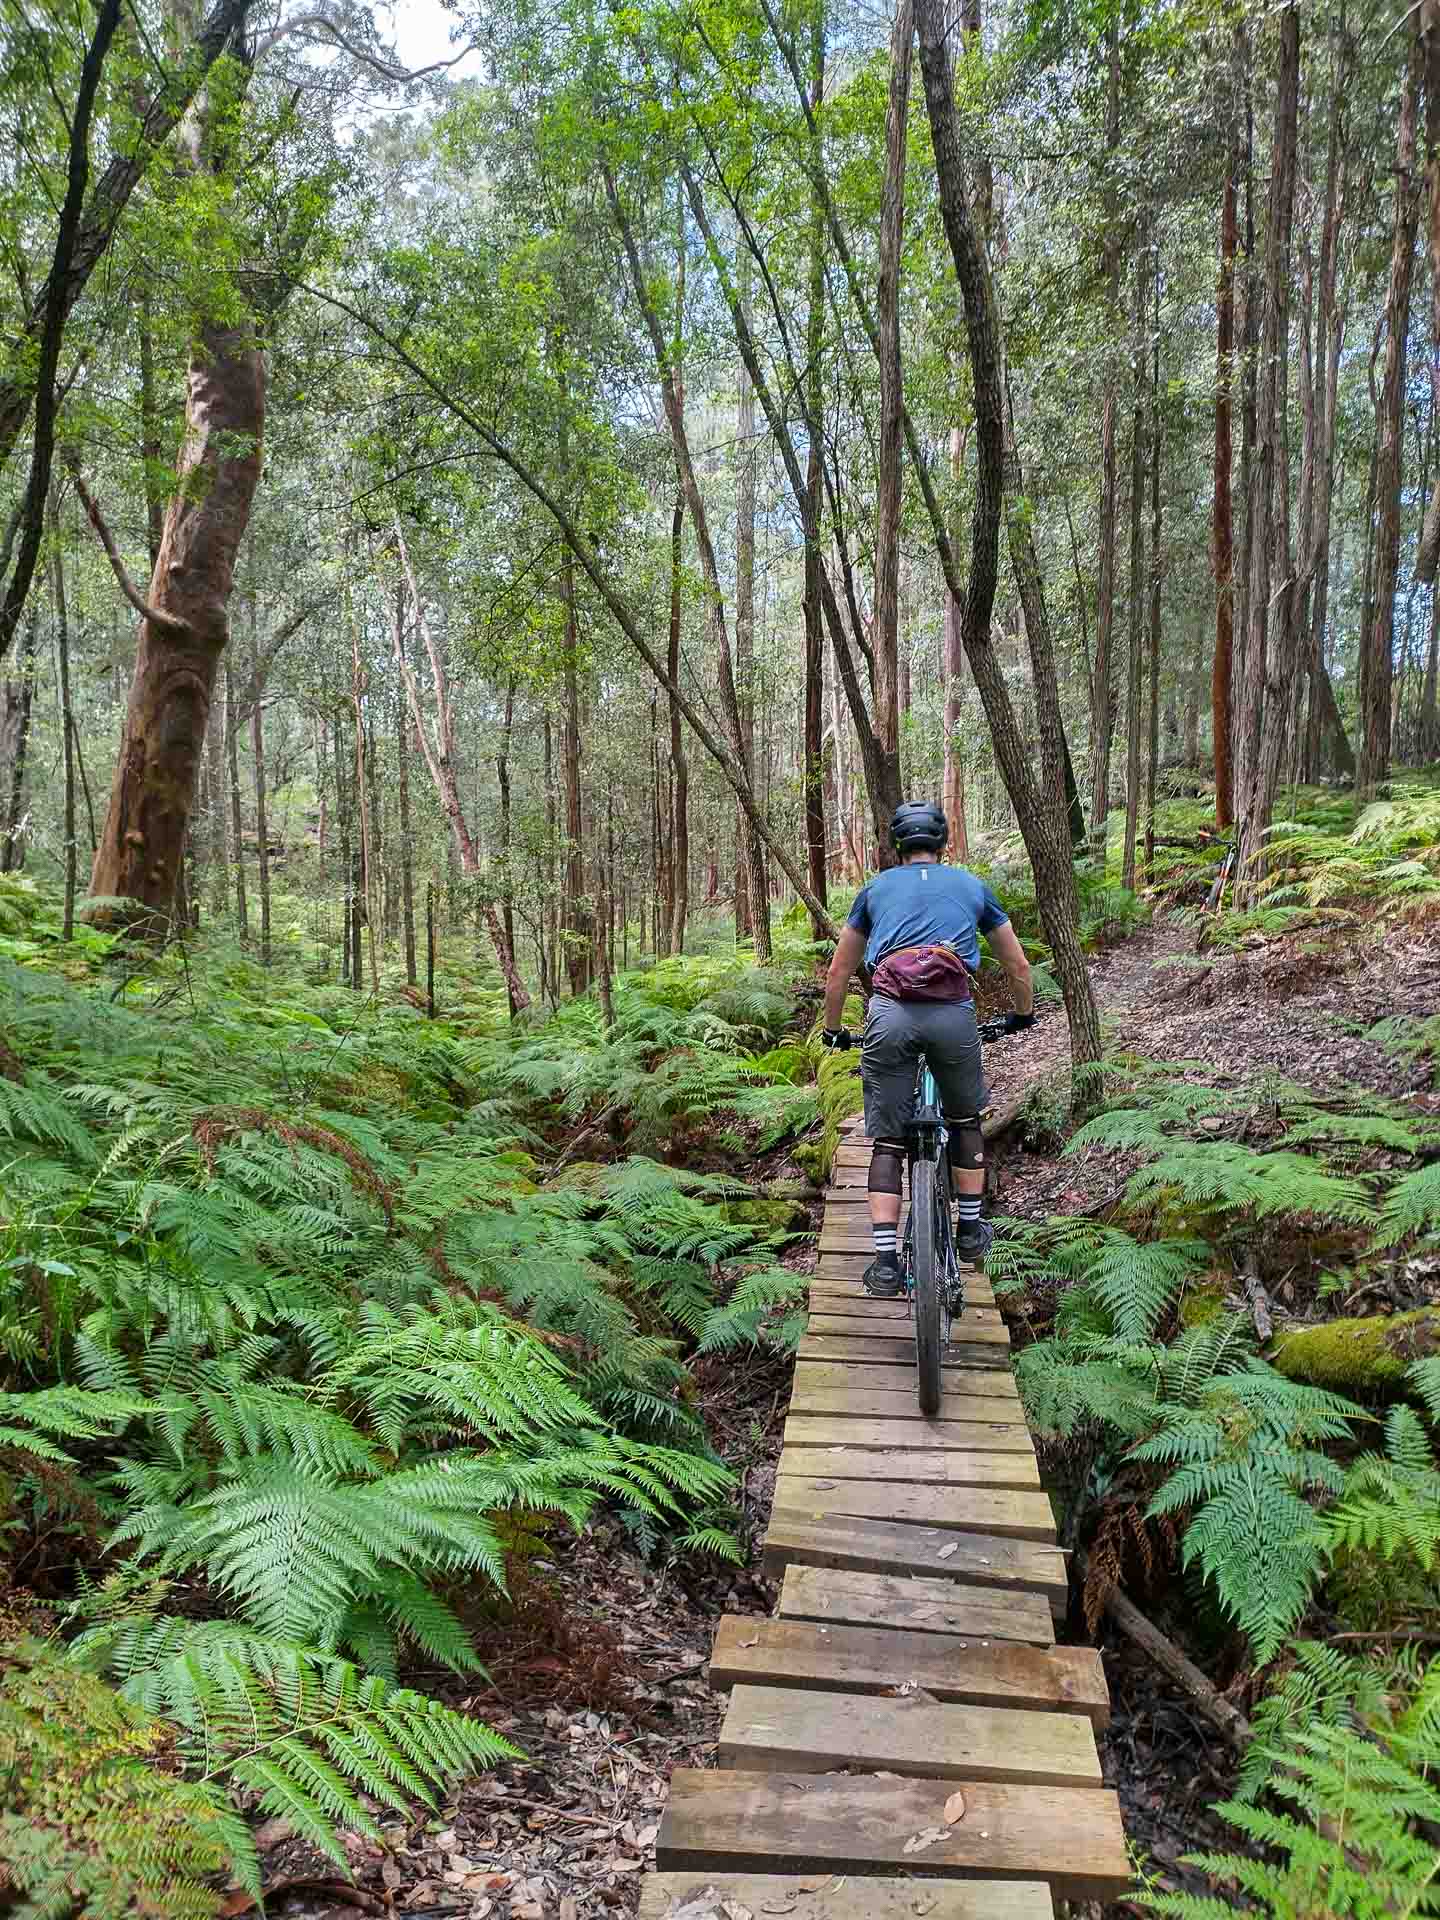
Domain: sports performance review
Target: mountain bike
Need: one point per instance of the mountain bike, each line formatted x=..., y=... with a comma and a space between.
x=934, y=1279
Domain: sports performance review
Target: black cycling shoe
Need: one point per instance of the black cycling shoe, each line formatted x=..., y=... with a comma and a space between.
x=882, y=1278
x=972, y=1242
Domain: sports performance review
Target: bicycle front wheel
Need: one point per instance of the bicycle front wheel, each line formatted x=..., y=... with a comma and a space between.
x=926, y=1242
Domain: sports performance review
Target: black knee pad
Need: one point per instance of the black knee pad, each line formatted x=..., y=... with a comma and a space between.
x=967, y=1143
x=885, y=1164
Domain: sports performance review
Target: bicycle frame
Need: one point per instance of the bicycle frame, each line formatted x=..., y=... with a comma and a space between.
x=925, y=1139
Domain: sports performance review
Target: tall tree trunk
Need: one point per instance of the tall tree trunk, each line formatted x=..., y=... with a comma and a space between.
x=576, y=929
x=1323, y=715
x=359, y=687
x=100, y=210
x=1378, y=644
x=1248, y=369
x=186, y=628
x=672, y=394
x=18, y=703
x=678, y=852
x=1429, y=27
x=754, y=923
x=1102, y=702
x=1157, y=438
x=953, y=663
x=237, y=818
x=151, y=451
x=812, y=747
x=1428, y=740
x=407, y=837
x=885, y=627
x=67, y=714
x=1042, y=824
x=47, y=334
x=1223, y=523
x=502, y=778
x=262, y=817
x=1269, y=665
x=1133, y=715
x=218, y=798
x=437, y=744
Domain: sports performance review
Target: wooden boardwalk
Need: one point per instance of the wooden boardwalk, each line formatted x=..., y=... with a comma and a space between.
x=904, y=1738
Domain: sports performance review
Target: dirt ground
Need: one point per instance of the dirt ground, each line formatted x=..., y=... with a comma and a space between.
x=599, y=1677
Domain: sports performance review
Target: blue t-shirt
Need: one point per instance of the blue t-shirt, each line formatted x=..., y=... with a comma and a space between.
x=925, y=905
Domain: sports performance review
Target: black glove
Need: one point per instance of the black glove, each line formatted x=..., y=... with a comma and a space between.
x=837, y=1039
x=1018, y=1022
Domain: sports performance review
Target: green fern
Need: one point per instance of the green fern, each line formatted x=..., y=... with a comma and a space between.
x=95, y=1821
x=1245, y=1454
x=1356, y=1842
x=1411, y=1206
x=1390, y=1502
x=304, y=1734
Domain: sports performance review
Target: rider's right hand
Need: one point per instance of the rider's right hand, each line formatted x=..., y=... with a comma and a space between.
x=837, y=1039
x=1018, y=1022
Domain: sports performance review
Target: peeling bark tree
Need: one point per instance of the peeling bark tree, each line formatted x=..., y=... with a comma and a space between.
x=1377, y=645
x=1429, y=28
x=1042, y=823
x=1134, y=675
x=186, y=626
x=885, y=628
x=1223, y=522
x=813, y=744
x=1270, y=668
x=437, y=746
x=1102, y=700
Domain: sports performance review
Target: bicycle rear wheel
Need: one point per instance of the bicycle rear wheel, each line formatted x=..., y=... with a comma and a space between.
x=927, y=1248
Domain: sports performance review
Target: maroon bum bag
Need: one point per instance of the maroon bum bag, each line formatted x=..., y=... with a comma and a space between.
x=922, y=973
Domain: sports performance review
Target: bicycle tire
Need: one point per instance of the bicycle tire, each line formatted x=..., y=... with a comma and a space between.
x=925, y=1203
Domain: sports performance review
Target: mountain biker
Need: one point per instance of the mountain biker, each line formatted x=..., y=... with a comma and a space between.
x=917, y=926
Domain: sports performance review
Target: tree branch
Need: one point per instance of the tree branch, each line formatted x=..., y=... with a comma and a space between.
x=387, y=70
x=166, y=622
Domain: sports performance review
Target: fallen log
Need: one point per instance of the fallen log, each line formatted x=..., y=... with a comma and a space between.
x=1372, y=1354
x=1172, y=1662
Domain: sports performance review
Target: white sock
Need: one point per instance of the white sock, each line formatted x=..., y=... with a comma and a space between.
x=884, y=1237
x=968, y=1208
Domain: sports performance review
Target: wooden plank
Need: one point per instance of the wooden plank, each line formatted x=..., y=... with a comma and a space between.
x=776, y=1729
x=968, y=1671
x=862, y=1435
x=781, y=1822
x=977, y=1324
x=916, y=1466
x=890, y=1546
x=976, y=1383
x=852, y=1293
x=834, y=1896
x=997, y=1510
x=983, y=1351
x=831, y=1596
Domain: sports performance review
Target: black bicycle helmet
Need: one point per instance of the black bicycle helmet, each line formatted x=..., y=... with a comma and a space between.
x=918, y=827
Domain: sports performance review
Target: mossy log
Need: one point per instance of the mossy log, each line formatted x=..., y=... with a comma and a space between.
x=1366, y=1355
x=767, y=1215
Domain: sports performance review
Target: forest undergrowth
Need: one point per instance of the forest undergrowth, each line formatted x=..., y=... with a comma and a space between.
x=371, y=1421
x=1227, y=1283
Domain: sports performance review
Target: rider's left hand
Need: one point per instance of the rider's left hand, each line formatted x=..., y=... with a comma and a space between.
x=837, y=1039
